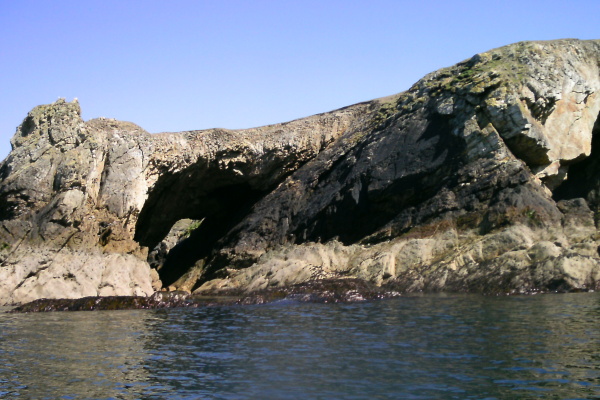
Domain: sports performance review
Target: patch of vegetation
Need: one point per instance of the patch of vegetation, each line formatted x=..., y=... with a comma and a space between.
x=359, y=136
x=483, y=70
x=426, y=231
x=192, y=227
x=532, y=216
x=468, y=221
x=385, y=111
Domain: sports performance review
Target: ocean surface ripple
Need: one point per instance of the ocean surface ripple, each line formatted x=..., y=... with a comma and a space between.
x=423, y=347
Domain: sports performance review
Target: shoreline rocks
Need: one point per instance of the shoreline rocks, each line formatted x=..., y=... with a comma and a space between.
x=106, y=303
x=321, y=291
x=316, y=291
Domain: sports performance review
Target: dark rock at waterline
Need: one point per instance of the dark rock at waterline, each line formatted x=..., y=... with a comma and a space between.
x=158, y=300
x=319, y=291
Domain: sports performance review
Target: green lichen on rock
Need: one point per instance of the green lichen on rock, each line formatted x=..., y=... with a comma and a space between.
x=506, y=66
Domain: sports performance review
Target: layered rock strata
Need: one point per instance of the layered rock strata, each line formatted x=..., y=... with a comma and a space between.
x=482, y=177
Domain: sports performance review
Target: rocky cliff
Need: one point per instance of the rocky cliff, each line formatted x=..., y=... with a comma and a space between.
x=482, y=177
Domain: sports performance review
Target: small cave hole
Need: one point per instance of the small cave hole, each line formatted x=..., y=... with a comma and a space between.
x=182, y=224
x=583, y=177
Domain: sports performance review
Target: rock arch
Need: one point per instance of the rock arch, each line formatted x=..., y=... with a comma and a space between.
x=219, y=198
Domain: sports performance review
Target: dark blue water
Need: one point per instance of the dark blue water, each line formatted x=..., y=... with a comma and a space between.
x=430, y=347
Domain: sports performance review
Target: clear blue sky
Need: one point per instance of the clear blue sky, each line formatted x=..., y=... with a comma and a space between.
x=183, y=65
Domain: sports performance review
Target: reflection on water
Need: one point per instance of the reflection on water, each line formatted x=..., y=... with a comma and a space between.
x=75, y=355
x=430, y=347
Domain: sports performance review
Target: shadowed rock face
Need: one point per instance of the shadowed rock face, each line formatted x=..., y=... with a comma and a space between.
x=481, y=177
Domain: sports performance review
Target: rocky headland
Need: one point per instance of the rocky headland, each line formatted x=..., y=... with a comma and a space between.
x=483, y=177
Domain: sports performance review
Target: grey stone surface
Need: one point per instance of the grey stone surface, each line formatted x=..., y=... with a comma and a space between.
x=481, y=177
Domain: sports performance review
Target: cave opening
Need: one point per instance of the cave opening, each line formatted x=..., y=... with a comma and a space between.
x=583, y=178
x=220, y=199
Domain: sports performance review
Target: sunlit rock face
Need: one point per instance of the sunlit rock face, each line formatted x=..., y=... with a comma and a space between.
x=481, y=177
x=81, y=202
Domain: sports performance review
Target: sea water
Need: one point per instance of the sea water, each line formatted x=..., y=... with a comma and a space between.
x=424, y=347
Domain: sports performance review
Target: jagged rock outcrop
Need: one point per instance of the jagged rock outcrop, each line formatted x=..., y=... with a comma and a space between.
x=81, y=202
x=481, y=177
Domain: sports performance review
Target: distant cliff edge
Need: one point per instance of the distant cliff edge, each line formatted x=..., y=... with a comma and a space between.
x=483, y=177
